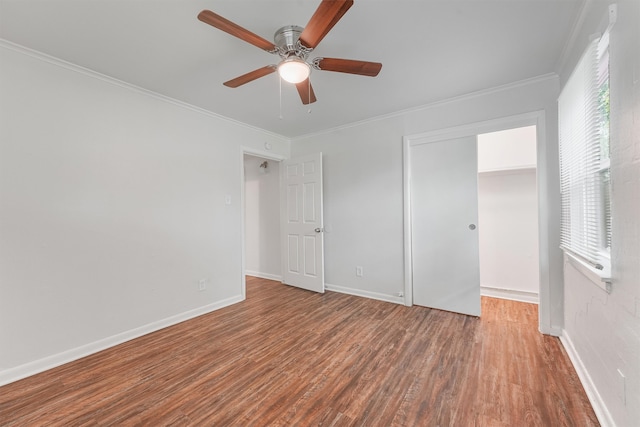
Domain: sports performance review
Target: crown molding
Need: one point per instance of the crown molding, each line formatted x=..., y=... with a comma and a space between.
x=465, y=97
x=6, y=44
x=570, y=44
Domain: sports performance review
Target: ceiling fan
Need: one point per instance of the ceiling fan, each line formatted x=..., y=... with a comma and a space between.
x=294, y=44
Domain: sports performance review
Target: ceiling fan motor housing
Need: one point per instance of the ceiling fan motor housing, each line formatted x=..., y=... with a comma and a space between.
x=286, y=41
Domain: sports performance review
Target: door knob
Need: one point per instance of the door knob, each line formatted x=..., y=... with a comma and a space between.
x=318, y=230
x=472, y=226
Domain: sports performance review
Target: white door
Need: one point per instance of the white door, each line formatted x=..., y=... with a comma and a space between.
x=444, y=217
x=301, y=213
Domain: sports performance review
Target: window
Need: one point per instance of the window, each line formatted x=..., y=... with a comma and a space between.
x=583, y=108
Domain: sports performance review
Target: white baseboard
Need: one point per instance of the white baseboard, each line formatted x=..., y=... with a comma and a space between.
x=49, y=362
x=604, y=417
x=554, y=331
x=365, y=294
x=510, y=294
x=267, y=276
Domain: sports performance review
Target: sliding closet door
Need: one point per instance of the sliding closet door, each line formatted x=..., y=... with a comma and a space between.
x=444, y=218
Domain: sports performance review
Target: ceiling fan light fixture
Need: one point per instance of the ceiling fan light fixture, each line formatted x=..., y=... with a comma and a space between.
x=294, y=70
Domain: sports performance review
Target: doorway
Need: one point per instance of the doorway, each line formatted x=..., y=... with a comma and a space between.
x=508, y=214
x=261, y=215
x=282, y=231
x=536, y=119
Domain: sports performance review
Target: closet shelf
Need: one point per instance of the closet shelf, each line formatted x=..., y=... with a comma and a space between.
x=515, y=169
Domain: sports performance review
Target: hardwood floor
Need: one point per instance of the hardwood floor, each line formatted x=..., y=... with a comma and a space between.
x=288, y=357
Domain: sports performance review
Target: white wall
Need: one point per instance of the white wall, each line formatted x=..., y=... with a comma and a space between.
x=262, y=218
x=112, y=208
x=507, y=149
x=508, y=214
x=602, y=331
x=363, y=188
x=508, y=234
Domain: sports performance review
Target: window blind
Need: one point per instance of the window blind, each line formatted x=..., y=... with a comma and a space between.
x=580, y=152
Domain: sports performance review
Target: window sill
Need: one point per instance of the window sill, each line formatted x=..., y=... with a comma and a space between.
x=601, y=278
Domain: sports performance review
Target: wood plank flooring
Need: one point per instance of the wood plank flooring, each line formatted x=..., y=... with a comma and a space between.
x=288, y=357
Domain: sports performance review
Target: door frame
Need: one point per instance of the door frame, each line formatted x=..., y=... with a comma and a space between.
x=536, y=118
x=267, y=156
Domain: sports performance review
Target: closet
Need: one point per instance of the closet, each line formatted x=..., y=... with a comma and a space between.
x=508, y=214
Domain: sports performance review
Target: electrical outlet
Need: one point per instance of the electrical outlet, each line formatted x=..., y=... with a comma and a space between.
x=359, y=271
x=202, y=284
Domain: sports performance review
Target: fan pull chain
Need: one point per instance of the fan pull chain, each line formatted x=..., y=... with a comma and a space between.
x=309, y=88
x=280, y=83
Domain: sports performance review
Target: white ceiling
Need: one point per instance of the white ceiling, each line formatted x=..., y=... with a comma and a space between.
x=430, y=50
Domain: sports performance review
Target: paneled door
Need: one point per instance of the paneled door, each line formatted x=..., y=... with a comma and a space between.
x=444, y=217
x=301, y=224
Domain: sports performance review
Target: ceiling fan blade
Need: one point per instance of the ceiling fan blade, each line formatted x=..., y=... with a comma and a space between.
x=305, y=90
x=351, y=66
x=236, y=30
x=251, y=76
x=325, y=17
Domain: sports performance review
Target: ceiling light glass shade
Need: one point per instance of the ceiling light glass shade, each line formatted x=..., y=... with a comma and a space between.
x=294, y=70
